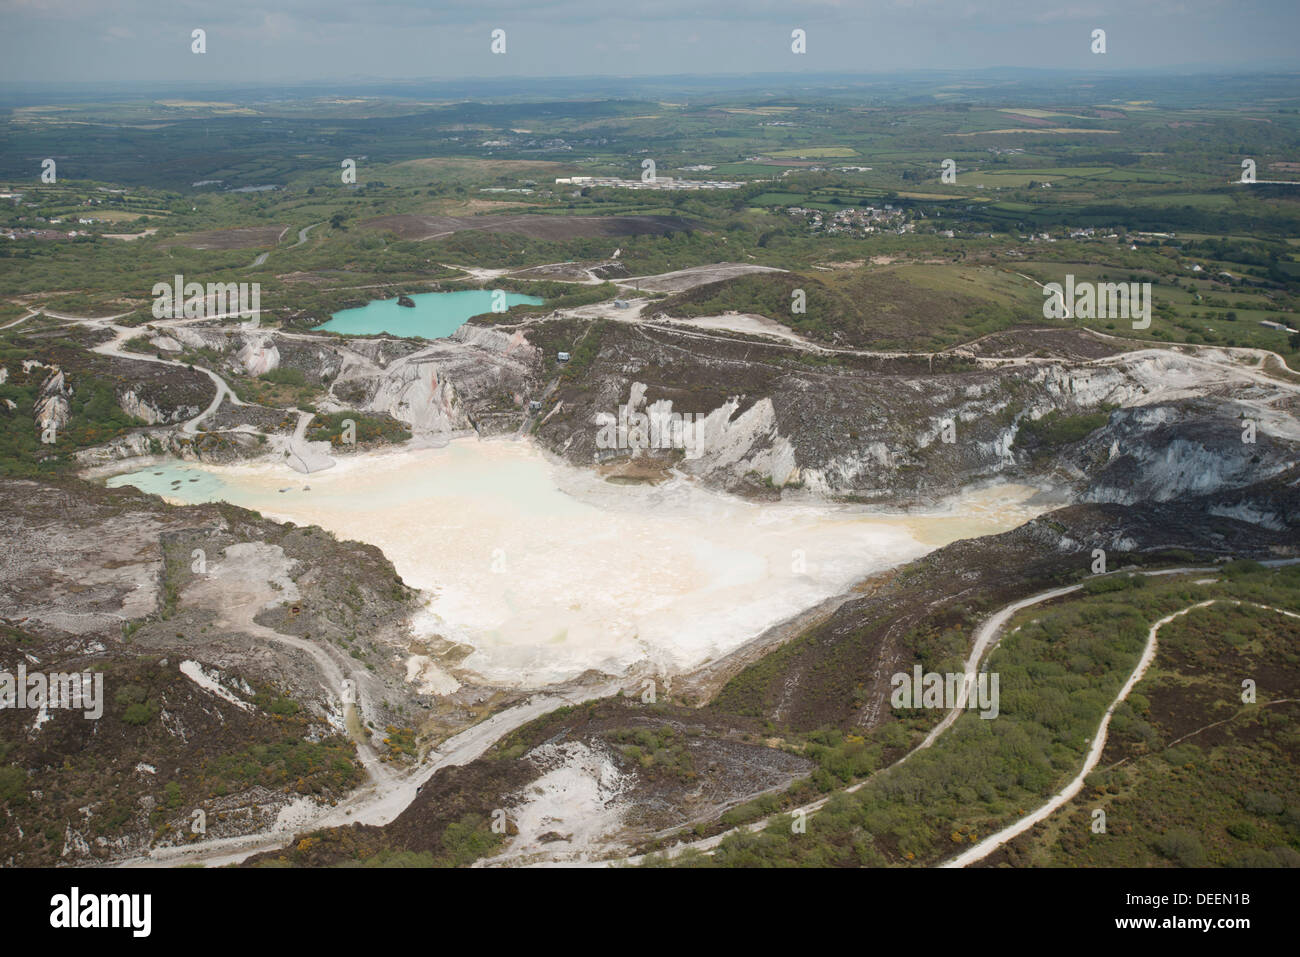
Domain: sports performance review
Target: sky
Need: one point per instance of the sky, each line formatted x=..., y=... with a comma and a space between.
x=268, y=41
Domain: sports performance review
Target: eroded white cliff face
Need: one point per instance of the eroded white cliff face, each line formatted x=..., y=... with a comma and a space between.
x=1269, y=518
x=424, y=389
x=258, y=355
x=195, y=339
x=1175, y=431
x=52, y=409
x=722, y=444
x=415, y=393
x=751, y=442
x=133, y=404
x=166, y=344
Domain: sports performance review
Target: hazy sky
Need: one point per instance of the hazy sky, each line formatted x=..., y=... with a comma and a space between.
x=259, y=41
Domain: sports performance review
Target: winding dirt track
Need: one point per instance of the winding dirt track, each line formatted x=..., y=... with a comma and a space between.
x=122, y=333
x=990, y=844
x=383, y=799
x=986, y=639
x=10, y=325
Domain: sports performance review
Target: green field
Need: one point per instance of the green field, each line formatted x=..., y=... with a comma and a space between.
x=1168, y=170
x=813, y=152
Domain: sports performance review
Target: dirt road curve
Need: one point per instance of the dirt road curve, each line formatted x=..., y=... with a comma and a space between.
x=986, y=639
x=990, y=844
x=384, y=799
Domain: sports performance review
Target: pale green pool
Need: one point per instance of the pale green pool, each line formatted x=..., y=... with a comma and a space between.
x=435, y=315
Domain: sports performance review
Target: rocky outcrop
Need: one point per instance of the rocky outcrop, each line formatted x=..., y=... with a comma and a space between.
x=258, y=355
x=1166, y=452
x=415, y=393
x=444, y=387
x=52, y=410
x=902, y=429
x=148, y=412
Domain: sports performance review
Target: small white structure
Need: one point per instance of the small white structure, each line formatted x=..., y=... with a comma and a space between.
x=563, y=357
x=1280, y=327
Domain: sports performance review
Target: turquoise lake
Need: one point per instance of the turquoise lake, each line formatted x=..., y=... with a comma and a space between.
x=435, y=315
